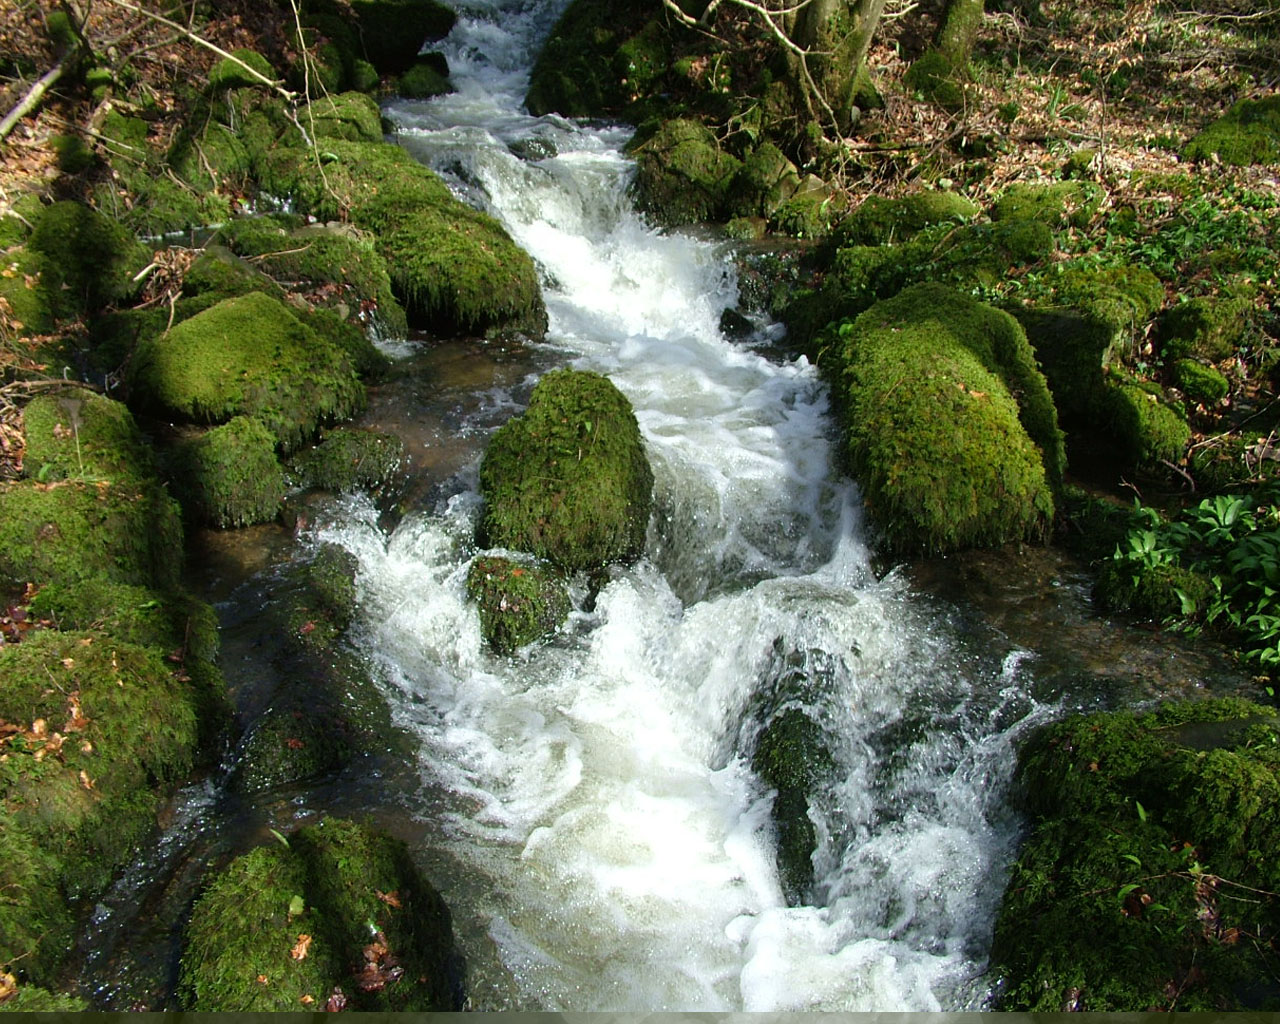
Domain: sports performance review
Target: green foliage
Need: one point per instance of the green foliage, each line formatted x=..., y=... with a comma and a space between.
x=220, y=272
x=229, y=476
x=519, y=602
x=348, y=115
x=73, y=153
x=930, y=428
x=1233, y=541
x=1144, y=878
x=248, y=356
x=364, y=905
x=568, y=480
x=1248, y=133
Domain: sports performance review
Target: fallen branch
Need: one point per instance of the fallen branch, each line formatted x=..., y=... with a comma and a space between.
x=35, y=94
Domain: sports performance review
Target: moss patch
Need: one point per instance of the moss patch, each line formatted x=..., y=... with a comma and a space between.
x=1248, y=133
x=568, y=480
x=89, y=260
x=376, y=929
x=683, y=176
x=519, y=602
x=1144, y=826
x=349, y=460
x=1143, y=426
x=881, y=221
x=248, y=356
x=230, y=476
x=1057, y=204
x=931, y=429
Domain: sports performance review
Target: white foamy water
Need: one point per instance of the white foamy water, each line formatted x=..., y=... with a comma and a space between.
x=614, y=846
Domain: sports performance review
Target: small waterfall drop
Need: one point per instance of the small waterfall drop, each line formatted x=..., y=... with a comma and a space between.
x=610, y=844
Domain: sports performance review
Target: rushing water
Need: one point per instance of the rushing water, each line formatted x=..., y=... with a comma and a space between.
x=609, y=847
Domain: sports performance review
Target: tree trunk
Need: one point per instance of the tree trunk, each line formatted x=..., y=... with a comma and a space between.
x=958, y=30
x=838, y=34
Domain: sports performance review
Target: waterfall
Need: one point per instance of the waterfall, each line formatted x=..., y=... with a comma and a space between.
x=603, y=840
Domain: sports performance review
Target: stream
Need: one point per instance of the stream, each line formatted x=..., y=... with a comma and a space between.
x=588, y=807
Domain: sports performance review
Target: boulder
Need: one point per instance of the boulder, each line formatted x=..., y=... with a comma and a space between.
x=519, y=602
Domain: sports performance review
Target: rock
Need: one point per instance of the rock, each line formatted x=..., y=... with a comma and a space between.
x=230, y=476
x=1248, y=133
x=946, y=457
x=881, y=221
x=342, y=906
x=90, y=261
x=1144, y=828
x=568, y=480
x=347, y=459
x=519, y=602
x=1143, y=425
x=1057, y=204
x=1209, y=327
x=393, y=31
x=1203, y=385
x=682, y=175
x=248, y=356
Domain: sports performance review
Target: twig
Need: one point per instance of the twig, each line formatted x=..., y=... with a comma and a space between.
x=36, y=93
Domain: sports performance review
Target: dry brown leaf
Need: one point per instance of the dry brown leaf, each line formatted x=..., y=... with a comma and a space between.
x=301, y=947
x=391, y=899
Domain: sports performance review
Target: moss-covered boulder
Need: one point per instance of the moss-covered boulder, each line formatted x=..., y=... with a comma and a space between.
x=520, y=602
x=222, y=273
x=91, y=730
x=210, y=156
x=936, y=79
x=683, y=176
x=568, y=480
x=878, y=220
x=1125, y=298
x=1248, y=133
x=1074, y=350
x=76, y=434
x=248, y=356
x=1058, y=204
x=1211, y=328
x=454, y=268
x=90, y=261
x=598, y=59
x=947, y=457
x=230, y=476
x=765, y=182
x=347, y=459
x=425, y=79
x=347, y=115
x=28, y=303
x=392, y=32
x=1146, y=868
x=341, y=907
x=237, y=71
x=1204, y=385
x=1143, y=426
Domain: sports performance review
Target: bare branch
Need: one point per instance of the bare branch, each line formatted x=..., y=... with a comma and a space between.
x=35, y=94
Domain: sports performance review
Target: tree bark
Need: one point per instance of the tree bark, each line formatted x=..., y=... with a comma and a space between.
x=838, y=35
x=958, y=30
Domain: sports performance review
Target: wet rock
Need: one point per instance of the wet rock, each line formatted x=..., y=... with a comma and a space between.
x=519, y=602
x=230, y=476
x=683, y=176
x=347, y=459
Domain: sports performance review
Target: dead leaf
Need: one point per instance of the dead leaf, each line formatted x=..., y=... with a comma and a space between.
x=307, y=1000
x=85, y=781
x=337, y=1001
x=262, y=979
x=300, y=948
x=8, y=986
x=391, y=899
x=293, y=743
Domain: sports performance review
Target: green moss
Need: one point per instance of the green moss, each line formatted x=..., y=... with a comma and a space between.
x=1144, y=826
x=81, y=788
x=248, y=356
x=349, y=460
x=210, y=156
x=1057, y=204
x=348, y=115
x=348, y=336
x=331, y=883
x=24, y=209
x=930, y=428
x=73, y=153
x=229, y=476
x=682, y=174
x=1123, y=298
x=934, y=78
x=78, y=434
x=422, y=81
x=39, y=1000
x=70, y=531
x=881, y=221
x=1211, y=328
x=1248, y=133
x=520, y=602
x=393, y=31
x=1141, y=424
x=791, y=757
x=21, y=273
x=1073, y=349
x=219, y=271
x=766, y=181
x=230, y=74
x=89, y=260
x=809, y=213
x=568, y=480
x=1202, y=384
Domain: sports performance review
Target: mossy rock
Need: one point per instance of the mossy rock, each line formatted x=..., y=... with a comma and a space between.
x=248, y=356
x=936, y=80
x=1125, y=298
x=21, y=272
x=288, y=746
x=117, y=725
x=231, y=74
x=72, y=530
x=1073, y=350
x=1202, y=384
x=1210, y=328
x=766, y=181
x=219, y=271
x=1248, y=133
x=453, y=268
x=314, y=257
x=1231, y=462
x=348, y=115
x=1143, y=427
x=683, y=176
x=931, y=430
x=77, y=434
x=162, y=206
x=520, y=602
x=1058, y=204
x=210, y=156
x=115, y=336
x=393, y=31
x=347, y=459
x=230, y=476
x=810, y=211
x=881, y=221
x=568, y=480
x=23, y=210
x=90, y=261
x=1144, y=828
x=331, y=883
x=423, y=81
x=598, y=57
